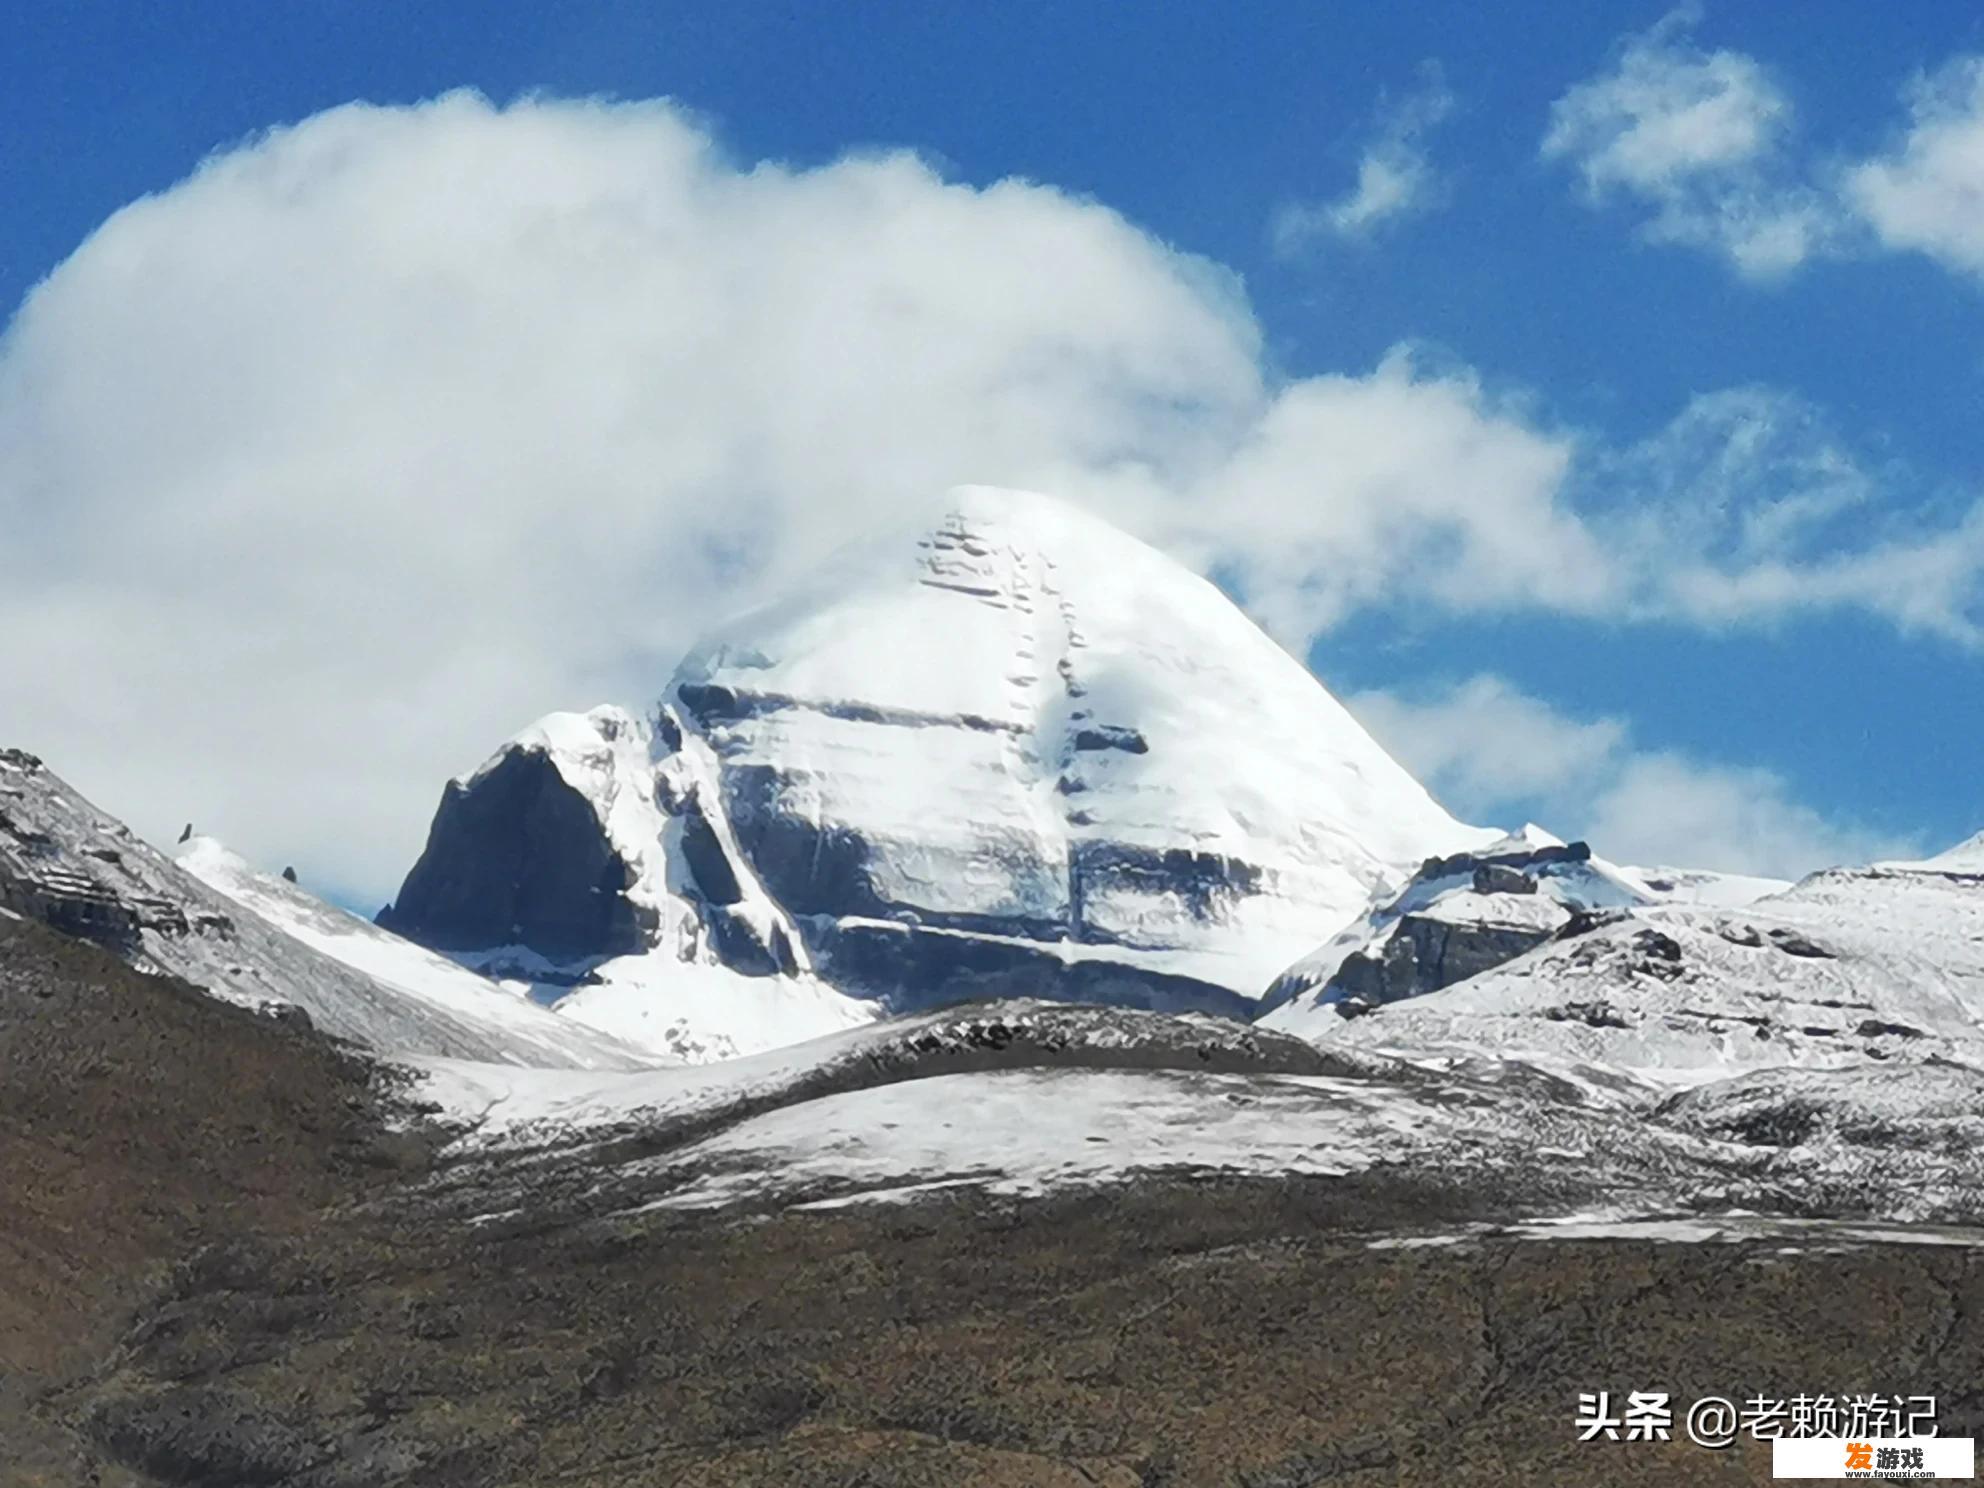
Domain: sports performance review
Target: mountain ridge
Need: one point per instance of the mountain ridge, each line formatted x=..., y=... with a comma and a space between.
x=69, y=864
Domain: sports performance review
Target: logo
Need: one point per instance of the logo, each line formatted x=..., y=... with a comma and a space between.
x=1887, y=1458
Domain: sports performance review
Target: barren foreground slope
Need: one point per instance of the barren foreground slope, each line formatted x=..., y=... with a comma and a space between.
x=222, y=1267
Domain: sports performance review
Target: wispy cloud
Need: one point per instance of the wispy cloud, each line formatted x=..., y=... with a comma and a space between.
x=1702, y=139
x=1498, y=754
x=1749, y=507
x=1927, y=195
x=1706, y=142
x=1395, y=175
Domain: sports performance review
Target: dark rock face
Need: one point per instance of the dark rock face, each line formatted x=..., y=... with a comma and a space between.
x=1792, y=943
x=913, y=968
x=808, y=867
x=1536, y=857
x=823, y=870
x=1423, y=955
x=1198, y=881
x=518, y=857
x=821, y=873
x=1111, y=736
x=743, y=949
x=1500, y=878
x=75, y=906
x=705, y=856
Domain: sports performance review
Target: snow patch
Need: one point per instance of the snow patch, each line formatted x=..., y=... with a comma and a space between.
x=536, y=1036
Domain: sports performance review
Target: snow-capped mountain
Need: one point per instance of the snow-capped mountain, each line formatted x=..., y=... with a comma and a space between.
x=1006, y=748
x=1018, y=723
x=258, y=941
x=1465, y=914
x=1882, y=964
x=1541, y=1083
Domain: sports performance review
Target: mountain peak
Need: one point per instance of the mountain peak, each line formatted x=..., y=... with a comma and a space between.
x=999, y=696
x=999, y=747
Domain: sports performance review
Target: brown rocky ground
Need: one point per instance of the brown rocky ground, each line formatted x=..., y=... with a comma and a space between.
x=219, y=1267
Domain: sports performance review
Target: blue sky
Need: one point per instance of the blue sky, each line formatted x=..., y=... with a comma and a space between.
x=1582, y=291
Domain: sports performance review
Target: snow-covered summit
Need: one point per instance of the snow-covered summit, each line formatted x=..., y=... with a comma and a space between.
x=1009, y=719
x=1110, y=671
x=998, y=748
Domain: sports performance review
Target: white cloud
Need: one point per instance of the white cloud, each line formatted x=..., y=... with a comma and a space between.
x=325, y=469
x=1352, y=490
x=1495, y=753
x=332, y=465
x=1928, y=195
x=1701, y=139
x=1672, y=811
x=1749, y=507
x=1488, y=744
x=1395, y=176
x=1667, y=111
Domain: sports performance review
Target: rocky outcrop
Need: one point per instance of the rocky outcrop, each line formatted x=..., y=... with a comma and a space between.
x=1423, y=954
x=592, y=857
x=914, y=967
x=1525, y=855
x=70, y=866
x=517, y=856
x=1460, y=915
x=75, y=874
x=1866, y=968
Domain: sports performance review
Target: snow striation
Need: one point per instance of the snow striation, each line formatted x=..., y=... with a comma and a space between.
x=1018, y=722
x=256, y=943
